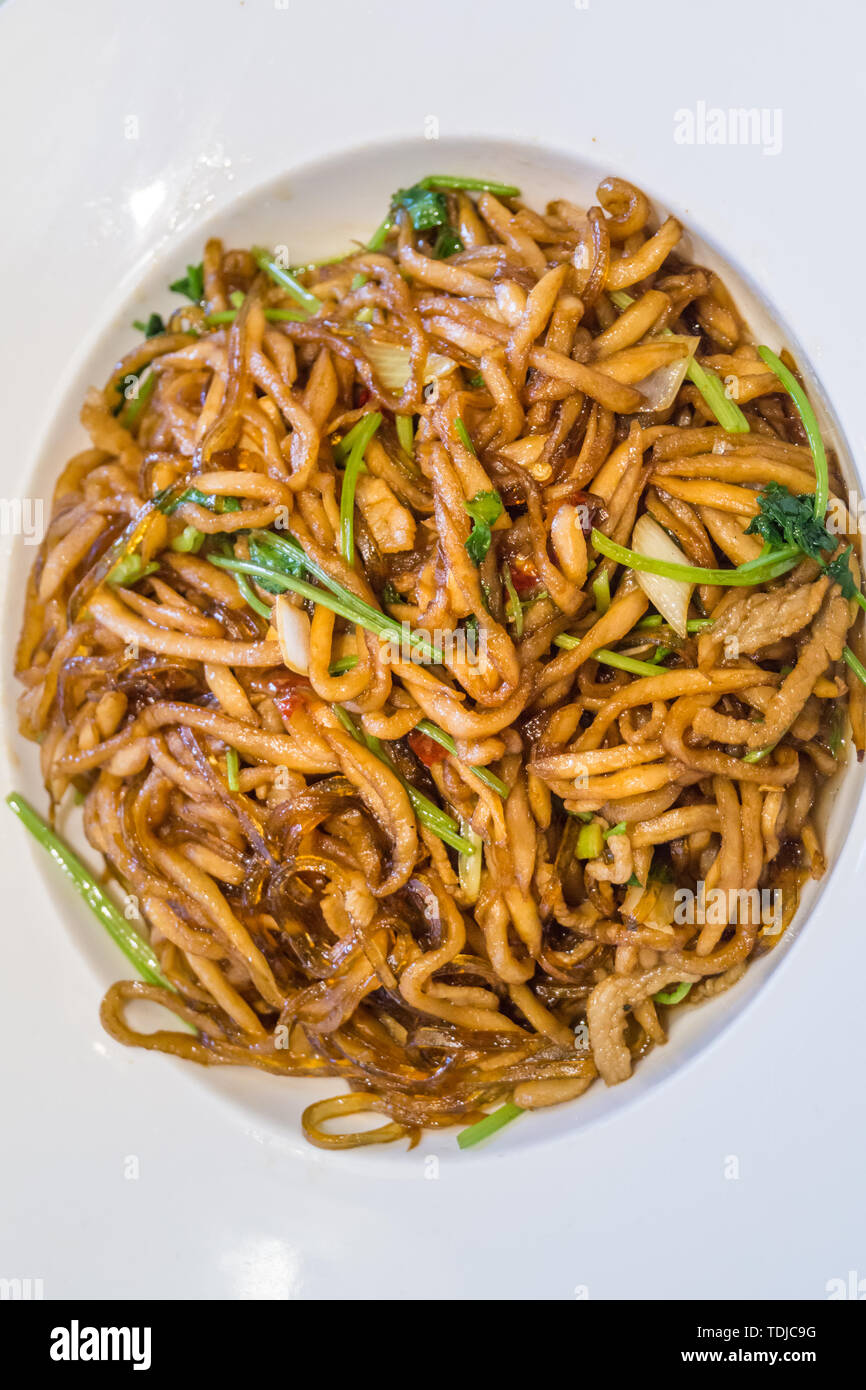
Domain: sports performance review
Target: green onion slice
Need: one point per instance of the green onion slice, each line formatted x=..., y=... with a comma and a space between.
x=463, y=435
x=608, y=658
x=265, y=261
x=232, y=769
x=122, y=932
x=590, y=841
x=272, y=316
x=601, y=592
x=491, y=1123
x=757, y=571
x=426, y=726
x=428, y=813
x=342, y=665
x=406, y=434
x=854, y=663
x=354, y=465
x=455, y=182
x=129, y=415
x=675, y=996
x=810, y=425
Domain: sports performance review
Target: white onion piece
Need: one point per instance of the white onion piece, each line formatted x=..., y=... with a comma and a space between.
x=390, y=362
x=653, y=906
x=469, y=865
x=293, y=632
x=526, y=453
x=669, y=596
x=660, y=388
x=527, y=450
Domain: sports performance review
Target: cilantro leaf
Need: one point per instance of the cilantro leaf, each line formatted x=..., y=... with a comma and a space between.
x=427, y=210
x=425, y=207
x=448, y=243
x=484, y=508
x=282, y=563
x=152, y=328
x=840, y=572
x=786, y=518
x=478, y=543
x=192, y=284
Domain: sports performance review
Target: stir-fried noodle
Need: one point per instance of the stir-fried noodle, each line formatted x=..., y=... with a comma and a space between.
x=418, y=774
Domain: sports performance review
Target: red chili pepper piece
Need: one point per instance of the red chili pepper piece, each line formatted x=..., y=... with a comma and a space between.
x=426, y=748
x=524, y=575
x=288, y=690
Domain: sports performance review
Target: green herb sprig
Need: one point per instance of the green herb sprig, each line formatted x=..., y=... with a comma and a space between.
x=485, y=508
x=191, y=284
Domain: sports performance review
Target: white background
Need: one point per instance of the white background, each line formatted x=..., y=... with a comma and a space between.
x=226, y=95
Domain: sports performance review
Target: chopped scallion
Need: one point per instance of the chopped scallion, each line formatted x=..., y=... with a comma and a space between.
x=287, y=280
x=514, y=608
x=810, y=425
x=675, y=996
x=129, y=570
x=272, y=316
x=442, y=825
x=456, y=182
x=463, y=435
x=608, y=658
x=854, y=663
x=601, y=592
x=590, y=841
x=133, y=408
x=406, y=434
x=189, y=542
x=426, y=726
x=354, y=465
x=232, y=769
x=122, y=932
x=491, y=1124
x=768, y=565
x=342, y=665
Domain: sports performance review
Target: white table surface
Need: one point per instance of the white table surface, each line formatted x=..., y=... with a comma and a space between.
x=225, y=95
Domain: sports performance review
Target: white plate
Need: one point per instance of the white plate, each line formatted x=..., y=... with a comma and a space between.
x=99, y=1103
x=296, y=212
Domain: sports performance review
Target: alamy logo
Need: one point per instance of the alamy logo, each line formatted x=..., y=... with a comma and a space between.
x=21, y=1290
x=845, y=519
x=23, y=516
x=853, y=1287
x=733, y=125
x=720, y=906
x=77, y=1343
x=467, y=645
